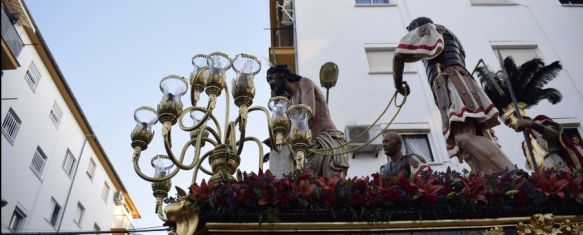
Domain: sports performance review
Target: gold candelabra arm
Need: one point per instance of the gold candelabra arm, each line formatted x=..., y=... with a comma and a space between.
x=243, y=116
x=230, y=136
x=208, y=114
x=179, y=162
x=273, y=137
x=259, y=147
x=138, y=170
x=199, y=124
x=200, y=167
x=242, y=123
x=137, y=153
x=227, y=107
x=159, y=209
x=166, y=131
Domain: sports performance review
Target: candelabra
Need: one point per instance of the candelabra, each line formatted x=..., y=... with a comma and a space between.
x=209, y=76
x=286, y=124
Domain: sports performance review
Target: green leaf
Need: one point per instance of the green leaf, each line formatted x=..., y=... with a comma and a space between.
x=451, y=195
x=511, y=193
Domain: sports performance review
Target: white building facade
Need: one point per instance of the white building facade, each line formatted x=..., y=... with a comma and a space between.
x=55, y=174
x=360, y=36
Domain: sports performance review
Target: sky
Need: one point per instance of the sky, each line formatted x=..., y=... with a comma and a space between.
x=114, y=53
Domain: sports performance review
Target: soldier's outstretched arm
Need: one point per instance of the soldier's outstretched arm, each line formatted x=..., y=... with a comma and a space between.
x=399, y=61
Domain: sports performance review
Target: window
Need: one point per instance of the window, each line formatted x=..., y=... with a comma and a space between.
x=520, y=53
x=91, y=169
x=491, y=2
x=11, y=125
x=380, y=59
x=105, y=192
x=38, y=161
x=69, y=163
x=32, y=76
x=55, y=212
x=571, y=2
x=371, y=2
x=56, y=114
x=79, y=213
x=17, y=220
x=417, y=144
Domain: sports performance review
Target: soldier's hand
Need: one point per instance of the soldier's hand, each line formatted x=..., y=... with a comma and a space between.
x=403, y=89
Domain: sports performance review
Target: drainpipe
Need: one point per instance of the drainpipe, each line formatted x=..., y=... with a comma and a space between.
x=71, y=186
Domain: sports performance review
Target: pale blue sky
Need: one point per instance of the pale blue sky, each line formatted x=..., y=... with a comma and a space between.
x=114, y=53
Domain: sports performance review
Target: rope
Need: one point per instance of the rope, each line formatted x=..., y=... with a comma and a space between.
x=398, y=106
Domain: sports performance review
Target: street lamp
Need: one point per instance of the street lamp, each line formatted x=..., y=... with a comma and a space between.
x=328, y=76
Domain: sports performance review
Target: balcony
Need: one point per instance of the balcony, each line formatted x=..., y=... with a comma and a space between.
x=11, y=42
x=282, y=50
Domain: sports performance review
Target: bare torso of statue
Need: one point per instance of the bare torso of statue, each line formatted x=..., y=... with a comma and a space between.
x=309, y=94
x=325, y=137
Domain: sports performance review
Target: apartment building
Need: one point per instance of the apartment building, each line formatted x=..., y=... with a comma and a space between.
x=56, y=176
x=360, y=36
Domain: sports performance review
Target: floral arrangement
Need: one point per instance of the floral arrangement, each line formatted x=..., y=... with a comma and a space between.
x=426, y=195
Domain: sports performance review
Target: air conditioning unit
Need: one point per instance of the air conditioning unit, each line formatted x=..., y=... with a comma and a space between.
x=118, y=198
x=287, y=12
x=353, y=131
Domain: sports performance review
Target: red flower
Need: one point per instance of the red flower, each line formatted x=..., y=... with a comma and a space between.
x=550, y=186
x=357, y=199
x=239, y=192
x=377, y=180
x=428, y=189
x=304, y=188
x=284, y=184
x=329, y=184
x=268, y=194
x=370, y=196
x=202, y=192
x=575, y=186
x=474, y=188
x=405, y=184
x=361, y=183
x=393, y=194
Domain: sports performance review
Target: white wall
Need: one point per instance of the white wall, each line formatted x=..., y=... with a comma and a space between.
x=20, y=186
x=331, y=30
